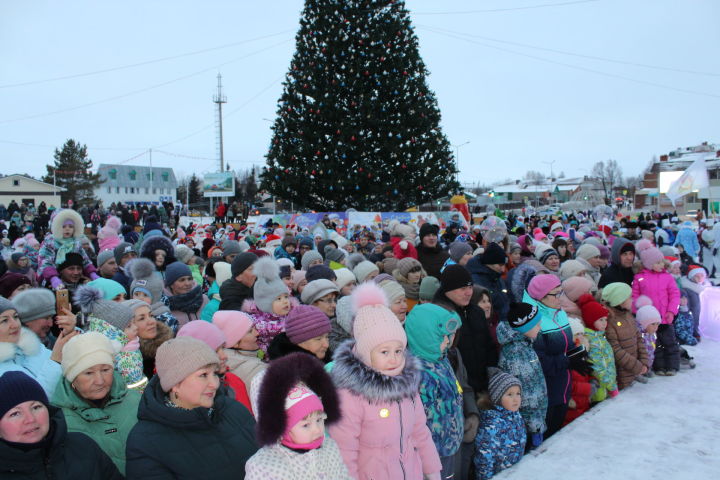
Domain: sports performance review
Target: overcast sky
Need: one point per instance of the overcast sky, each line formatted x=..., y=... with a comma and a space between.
x=642, y=80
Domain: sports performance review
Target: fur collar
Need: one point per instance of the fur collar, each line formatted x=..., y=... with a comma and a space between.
x=28, y=344
x=690, y=285
x=351, y=373
x=148, y=348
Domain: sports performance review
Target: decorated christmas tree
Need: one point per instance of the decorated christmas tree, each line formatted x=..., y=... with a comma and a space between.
x=357, y=125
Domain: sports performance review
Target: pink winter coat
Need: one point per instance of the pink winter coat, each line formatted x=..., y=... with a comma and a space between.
x=661, y=288
x=382, y=434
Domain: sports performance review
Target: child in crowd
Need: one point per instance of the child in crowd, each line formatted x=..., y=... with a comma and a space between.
x=345, y=281
x=648, y=320
x=271, y=302
x=693, y=284
x=631, y=359
x=299, y=283
x=600, y=353
x=147, y=285
x=660, y=286
x=501, y=439
x=519, y=359
x=383, y=433
x=582, y=385
x=67, y=228
x=430, y=329
x=684, y=322
x=294, y=405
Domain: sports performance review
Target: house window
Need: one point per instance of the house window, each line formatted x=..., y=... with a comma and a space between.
x=126, y=189
x=117, y=189
x=154, y=191
x=132, y=189
x=109, y=189
x=147, y=190
x=132, y=174
x=16, y=183
x=112, y=174
x=165, y=176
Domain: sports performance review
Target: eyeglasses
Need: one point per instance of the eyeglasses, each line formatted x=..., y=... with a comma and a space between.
x=557, y=294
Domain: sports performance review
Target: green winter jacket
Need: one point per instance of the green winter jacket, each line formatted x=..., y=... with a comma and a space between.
x=603, y=359
x=108, y=426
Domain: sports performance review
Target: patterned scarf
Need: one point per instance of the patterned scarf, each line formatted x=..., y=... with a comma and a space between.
x=64, y=246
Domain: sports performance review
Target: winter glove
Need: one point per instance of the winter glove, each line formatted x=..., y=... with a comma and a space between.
x=472, y=422
x=669, y=317
x=536, y=439
x=403, y=245
x=56, y=283
x=580, y=364
x=432, y=476
x=614, y=393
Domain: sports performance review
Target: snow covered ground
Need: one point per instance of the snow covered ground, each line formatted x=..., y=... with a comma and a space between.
x=668, y=428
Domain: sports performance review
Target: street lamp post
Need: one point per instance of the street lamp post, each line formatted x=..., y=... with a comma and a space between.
x=457, y=160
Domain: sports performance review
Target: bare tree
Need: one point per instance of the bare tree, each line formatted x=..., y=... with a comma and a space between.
x=609, y=174
x=534, y=177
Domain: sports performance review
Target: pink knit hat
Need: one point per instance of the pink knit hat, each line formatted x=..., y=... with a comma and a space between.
x=646, y=314
x=541, y=285
x=649, y=254
x=235, y=325
x=205, y=331
x=299, y=403
x=576, y=286
x=374, y=322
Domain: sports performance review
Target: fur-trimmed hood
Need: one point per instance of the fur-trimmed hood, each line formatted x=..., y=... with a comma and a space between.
x=280, y=377
x=148, y=348
x=28, y=344
x=67, y=214
x=158, y=242
x=351, y=373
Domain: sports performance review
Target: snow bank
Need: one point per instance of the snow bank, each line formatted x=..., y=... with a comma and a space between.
x=668, y=428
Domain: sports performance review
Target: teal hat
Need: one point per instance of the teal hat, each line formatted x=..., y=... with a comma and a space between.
x=109, y=288
x=426, y=326
x=616, y=293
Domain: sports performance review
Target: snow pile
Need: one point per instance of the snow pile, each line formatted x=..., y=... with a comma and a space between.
x=667, y=428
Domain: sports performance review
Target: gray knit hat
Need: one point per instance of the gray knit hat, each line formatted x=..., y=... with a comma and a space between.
x=343, y=313
x=183, y=253
x=317, y=289
x=406, y=264
x=428, y=287
x=231, y=247
x=310, y=256
x=458, y=250
x=6, y=304
x=104, y=256
x=34, y=303
x=121, y=250
x=334, y=254
x=178, y=358
x=268, y=285
x=91, y=301
x=499, y=383
x=393, y=290
x=363, y=269
x=134, y=304
x=145, y=279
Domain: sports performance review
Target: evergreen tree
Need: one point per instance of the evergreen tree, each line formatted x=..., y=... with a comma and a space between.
x=73, y=171
x=195, y=196
x=357, y=125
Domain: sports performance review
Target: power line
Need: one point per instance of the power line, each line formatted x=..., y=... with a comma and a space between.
x=55, y=146
x=135, y=92
x=509, y=9
x=579, y=55
x=576, y=67
x=140, y=64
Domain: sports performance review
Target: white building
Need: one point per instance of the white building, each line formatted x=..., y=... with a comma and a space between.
x=27, y=190
x=136, y=184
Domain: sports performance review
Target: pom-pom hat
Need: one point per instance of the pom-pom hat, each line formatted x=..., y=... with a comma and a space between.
x=235, y=325
x=592, y=311
x=268, y=286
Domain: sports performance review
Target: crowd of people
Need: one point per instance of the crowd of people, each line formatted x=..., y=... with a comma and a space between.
x=137, y=349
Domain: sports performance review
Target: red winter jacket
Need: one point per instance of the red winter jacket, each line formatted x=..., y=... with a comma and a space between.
x=581, y=391
x=238, y=386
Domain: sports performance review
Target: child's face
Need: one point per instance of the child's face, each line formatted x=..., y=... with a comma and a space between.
x=658, y=266
x=249, y=341
x=309, y=429
x=515, y=257
x=652, y=328
x=601, y=324
x=68, y=230
x=388, y=358
x=699, y=277
x=290, y=248
x=533, y=332
x=160, y=257
x=301, y=285
x=138, y=295
x=683, y=301
x=288, y=282
x=486, y=305
x=281, y=305
x=445, y=344
x=627, y=304
x=675, y=269
x=511, y=399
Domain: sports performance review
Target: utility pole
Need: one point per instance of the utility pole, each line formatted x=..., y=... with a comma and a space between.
x=551, y=167
x=151, y=177
x=457, y=160
x=219, y=99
